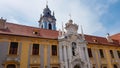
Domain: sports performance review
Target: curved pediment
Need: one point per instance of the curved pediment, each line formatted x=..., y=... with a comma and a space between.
x=71, y=28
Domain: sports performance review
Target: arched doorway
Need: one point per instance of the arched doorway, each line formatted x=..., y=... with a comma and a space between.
x=11, y=66
x=76, y=66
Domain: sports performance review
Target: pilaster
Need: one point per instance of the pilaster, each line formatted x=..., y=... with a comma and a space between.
x=65, y=57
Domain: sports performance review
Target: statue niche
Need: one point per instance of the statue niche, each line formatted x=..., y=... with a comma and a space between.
x=74, y=48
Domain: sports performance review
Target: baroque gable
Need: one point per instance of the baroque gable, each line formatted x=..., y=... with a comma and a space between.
x=73, y=48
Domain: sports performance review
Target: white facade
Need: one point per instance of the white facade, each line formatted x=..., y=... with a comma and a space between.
x=72, y=48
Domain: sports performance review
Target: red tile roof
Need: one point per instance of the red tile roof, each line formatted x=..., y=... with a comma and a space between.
x=22, y=30
x=100, y=40
x=116, y=37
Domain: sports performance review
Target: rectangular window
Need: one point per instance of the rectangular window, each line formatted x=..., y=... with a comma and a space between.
x=118, y=52
x=101, y=53
x=13, y=48
x=90, y=52
x=111, y=53
x=35, y=49
x=54, y=50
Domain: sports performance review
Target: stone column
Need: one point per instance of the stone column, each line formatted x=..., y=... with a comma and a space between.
x=79, y=50
x=117, y=58
x=61, y=55
x=65, y=57
x=87, y=58
x=69, y=56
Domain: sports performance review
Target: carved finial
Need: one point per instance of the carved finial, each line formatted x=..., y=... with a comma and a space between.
x=82, y=33
x=63, y=32
x=70, y=16
x=60, y=33
x=40, y=15
x=108, y=34
x=47, y=3
x=62, y=28
x=109, y=38
x=53, y=13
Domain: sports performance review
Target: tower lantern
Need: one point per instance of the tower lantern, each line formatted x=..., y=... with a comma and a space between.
x=47, y=21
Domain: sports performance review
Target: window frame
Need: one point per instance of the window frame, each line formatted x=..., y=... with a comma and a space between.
x=101, y=53
x=16, y=51
x=34, y=52
x=112, y=54
x=90, y=54
x=118, y=53
x=52, y=51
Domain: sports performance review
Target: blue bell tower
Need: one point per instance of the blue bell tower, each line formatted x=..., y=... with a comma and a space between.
x=47, y=21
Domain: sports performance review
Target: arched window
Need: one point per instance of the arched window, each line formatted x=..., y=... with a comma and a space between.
x=11, y=66
x=73, y=48
x=50, y=26
x=42, y=26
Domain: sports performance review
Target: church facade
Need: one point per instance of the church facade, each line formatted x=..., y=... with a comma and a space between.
x=44, y=47
x=73, y=48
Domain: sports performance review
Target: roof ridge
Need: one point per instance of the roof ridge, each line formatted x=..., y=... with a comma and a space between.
x=115, y=34
x=20, y=25
x=29, y=26
x=94, y=36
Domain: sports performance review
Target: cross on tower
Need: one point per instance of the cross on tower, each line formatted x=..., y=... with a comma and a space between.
x=46, y=2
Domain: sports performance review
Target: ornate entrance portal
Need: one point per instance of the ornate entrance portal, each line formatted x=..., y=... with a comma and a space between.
x=76, y=66
x=73, y=48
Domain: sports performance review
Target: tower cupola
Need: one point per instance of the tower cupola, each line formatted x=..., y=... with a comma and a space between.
x=47, y=21
x=47, y=11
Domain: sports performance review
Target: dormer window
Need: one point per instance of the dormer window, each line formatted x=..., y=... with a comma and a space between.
x=95, y=40
x=36, y=32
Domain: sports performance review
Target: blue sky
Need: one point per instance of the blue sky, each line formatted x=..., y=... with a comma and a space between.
x=97, y=17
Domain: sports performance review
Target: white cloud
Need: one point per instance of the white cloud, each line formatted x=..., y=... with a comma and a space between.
x=84, y=12
x=13, y=20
